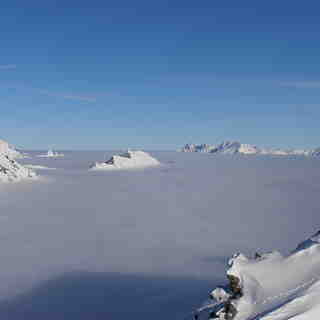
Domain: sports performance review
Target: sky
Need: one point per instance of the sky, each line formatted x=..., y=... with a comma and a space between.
x=158, y=74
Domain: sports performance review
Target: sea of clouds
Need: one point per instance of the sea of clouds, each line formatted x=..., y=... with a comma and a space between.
x=180, y=221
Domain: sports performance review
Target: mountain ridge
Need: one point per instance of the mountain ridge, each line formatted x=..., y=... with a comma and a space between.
x=236, y=147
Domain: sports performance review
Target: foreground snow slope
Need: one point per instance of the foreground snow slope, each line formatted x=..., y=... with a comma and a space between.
x=277, y=287
x=127, y=160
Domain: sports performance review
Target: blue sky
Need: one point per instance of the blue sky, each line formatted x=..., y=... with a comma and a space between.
x=116, y=74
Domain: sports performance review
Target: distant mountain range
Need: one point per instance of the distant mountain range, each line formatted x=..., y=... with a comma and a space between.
x=235, y=147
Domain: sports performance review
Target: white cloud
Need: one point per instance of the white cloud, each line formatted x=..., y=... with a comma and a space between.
x=184, y=218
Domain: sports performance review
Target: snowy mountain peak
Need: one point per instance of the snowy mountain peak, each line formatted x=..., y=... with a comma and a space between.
x=51, y=154
x=271, y=286
x=313, y=240
x=197, y=148
x=236, y=147
x=6, y=149
x=127, y=160
x=10, y=170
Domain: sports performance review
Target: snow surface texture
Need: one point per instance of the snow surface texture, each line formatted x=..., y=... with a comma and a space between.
x=181, y=220
x=277, y=287
x=10, y=170
x=38, y=167
x=10, y=151
x=235, y=147
x=127, y=160
x=51, y=154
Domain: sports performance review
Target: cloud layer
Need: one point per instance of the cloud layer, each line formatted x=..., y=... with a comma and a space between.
x=184, y=218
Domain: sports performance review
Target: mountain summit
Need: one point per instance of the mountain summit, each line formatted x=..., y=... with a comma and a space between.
x=271, y=286
x=10, y=169
x=236, y=147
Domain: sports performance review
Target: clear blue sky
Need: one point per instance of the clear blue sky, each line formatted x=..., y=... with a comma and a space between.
x=158, y=74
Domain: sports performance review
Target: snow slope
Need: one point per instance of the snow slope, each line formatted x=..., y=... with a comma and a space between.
x=197, y=148
x=10, y=170
x=6, y=149
x=277, y=287
x=235, y=147
x=127, y=160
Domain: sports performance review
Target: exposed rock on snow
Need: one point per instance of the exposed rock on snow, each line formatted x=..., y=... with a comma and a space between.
x=10, y=170
x=271, y=286
x=315, y=152
x=127, y=160
x=51, y=154
x=226, y=147
x=235, y=147
x=197, y=148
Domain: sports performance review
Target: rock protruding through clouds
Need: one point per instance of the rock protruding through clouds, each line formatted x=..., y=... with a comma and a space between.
x=10, y=169
x=127, y=160
x=235, y=147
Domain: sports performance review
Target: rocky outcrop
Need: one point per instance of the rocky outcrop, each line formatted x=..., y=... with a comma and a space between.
x=263, y=286
x=127, y=160
x=235, y=147
x=11, y=170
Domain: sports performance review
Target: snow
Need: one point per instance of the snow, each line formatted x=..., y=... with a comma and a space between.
x=127, y=160
x=10, y=151
x=235, y=147
x=248, y=149
x=38, y=167
x=51, y=154
x=11, y=171
x=277, y=287
x=4, y=147
x=197, y=148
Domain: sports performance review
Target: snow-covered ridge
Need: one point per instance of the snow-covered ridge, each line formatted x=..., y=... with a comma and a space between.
x=127, y=160
x=271, y=286
x=9, y=150
x=235, y=147
x=51, y=154
x=11, y=170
